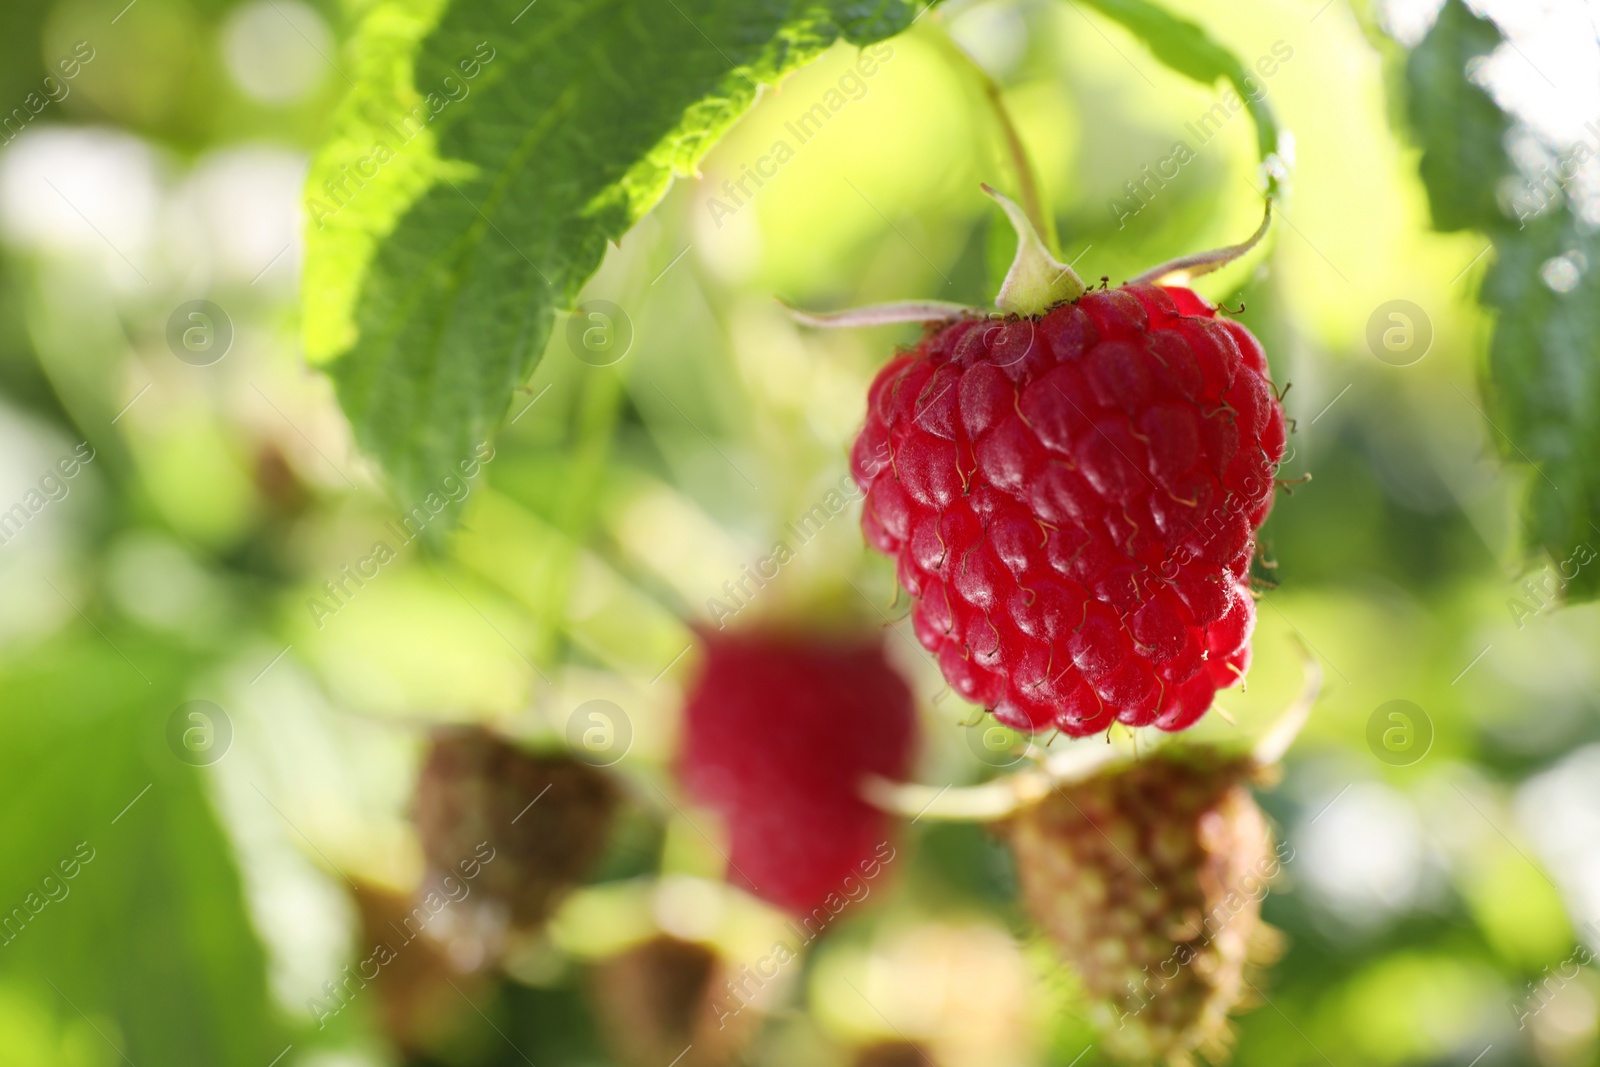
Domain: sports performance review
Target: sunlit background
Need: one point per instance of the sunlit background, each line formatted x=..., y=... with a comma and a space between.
x=210, y=500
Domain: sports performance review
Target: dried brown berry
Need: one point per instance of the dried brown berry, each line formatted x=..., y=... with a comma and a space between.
x=893, y=1054
x=411, y=974
x=658, y=1005
x=518, y=828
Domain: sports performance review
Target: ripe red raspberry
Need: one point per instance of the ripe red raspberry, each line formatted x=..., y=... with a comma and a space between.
x=779, y=732
x=1071, y=501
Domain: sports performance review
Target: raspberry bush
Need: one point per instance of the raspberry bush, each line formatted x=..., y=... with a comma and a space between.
x=391, y=391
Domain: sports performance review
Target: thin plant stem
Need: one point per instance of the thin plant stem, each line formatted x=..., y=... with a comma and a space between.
x=1027, y=179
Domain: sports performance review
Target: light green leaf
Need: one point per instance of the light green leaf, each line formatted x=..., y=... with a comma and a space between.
x=485, y=154
x=1542, y=389
x=1458, y=125
x=1187, y=49
x=131, y=910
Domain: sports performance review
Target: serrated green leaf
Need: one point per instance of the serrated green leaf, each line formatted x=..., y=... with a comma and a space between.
x=1542, y=387
x=1459, y=127
x=1186, y=48
x=441, y=246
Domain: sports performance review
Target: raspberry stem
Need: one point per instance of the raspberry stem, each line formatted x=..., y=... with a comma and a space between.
x=1001, y=797
x=971, y=803
x=1276, y=741
x=1027, y=178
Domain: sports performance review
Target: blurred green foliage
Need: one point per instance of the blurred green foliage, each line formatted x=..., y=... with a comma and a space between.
x=1541, y=379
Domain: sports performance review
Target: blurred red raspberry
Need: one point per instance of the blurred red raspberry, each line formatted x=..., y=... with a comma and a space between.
x=780, y=730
